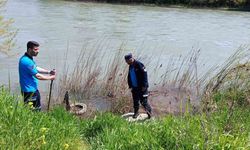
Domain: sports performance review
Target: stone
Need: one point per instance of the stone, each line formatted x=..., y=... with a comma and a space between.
x=140, y=118
x=78, y=108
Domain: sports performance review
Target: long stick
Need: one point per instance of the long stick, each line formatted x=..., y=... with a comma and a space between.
x=50, y=89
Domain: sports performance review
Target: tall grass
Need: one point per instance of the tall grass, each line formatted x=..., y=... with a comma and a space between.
x=7, y=33
x=94, y=76
x=22, y=128
x=224, y=123
x=232, y=78
x=171, y=132
x=98, y=74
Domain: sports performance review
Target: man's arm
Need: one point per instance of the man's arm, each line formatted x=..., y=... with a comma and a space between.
x=129, y=81
x=144, y=76
x=44, y=77
x=45, y=71
x=145, y=79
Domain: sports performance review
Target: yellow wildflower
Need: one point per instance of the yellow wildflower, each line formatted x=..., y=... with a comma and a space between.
x=66, y=146
x=30, y=103
x=43, y=139
x=44, y=130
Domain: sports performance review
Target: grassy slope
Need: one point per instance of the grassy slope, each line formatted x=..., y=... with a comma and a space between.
x=24, y=129
x=21, y=128
x=186, y=132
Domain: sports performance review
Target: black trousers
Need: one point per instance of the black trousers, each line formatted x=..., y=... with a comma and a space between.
x=142, y=97
x=33, y=97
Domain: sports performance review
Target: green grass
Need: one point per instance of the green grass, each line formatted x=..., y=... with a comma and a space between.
x=22, y=128
x=172, y=132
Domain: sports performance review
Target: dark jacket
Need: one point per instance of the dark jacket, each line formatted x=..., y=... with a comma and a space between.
x=141, y=75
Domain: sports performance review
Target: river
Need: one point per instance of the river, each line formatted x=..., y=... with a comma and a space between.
x=156, y=31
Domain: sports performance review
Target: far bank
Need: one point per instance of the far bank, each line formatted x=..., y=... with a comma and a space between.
x=233, y=5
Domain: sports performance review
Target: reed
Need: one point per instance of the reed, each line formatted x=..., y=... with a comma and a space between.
x=7, y=32
x=94, y=76
x=232, y=76
x=224, y=123
x=178, y=83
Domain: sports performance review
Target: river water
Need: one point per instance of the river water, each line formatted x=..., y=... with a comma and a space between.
x=61, y=26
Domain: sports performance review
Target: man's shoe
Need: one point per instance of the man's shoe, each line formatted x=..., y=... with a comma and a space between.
x=135, y=115
x=149, y=115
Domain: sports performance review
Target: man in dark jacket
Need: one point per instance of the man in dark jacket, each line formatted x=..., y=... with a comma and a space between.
x=138, y=82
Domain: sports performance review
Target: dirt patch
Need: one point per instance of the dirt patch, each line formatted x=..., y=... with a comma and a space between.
x=173, y=101
x=163, y=100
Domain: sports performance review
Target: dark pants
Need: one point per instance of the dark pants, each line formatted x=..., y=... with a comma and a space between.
x=142, y=97
x=33, y=97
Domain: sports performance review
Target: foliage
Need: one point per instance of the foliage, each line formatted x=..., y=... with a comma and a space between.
x=107, y=131
x=22, y=128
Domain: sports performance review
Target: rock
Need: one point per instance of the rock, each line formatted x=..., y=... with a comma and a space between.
x=78, y=108
x=141, y=117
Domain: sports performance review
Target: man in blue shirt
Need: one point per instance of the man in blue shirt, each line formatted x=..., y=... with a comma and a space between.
x=138, y=82
x=30, y=73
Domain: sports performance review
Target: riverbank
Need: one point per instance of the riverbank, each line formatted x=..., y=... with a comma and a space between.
x=221, y=122
x=223, y=128
x=233, y=5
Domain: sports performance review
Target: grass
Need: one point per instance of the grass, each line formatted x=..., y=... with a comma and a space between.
x=232, y=79
x=7, y=33
x=21, y=128
x=93, y=76
x=221, y=129
x=107, y=131
x=223, y=123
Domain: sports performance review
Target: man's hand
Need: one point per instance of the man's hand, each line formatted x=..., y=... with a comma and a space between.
x=52, y=72
x=53, y=77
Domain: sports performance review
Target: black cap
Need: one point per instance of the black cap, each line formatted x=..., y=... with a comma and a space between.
x=128, y=56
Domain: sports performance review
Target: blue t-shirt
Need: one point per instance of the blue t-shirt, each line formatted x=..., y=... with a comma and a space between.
x=133, y=77
x=27, y=72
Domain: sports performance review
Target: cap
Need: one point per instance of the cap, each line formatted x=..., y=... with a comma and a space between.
x=128, y=56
